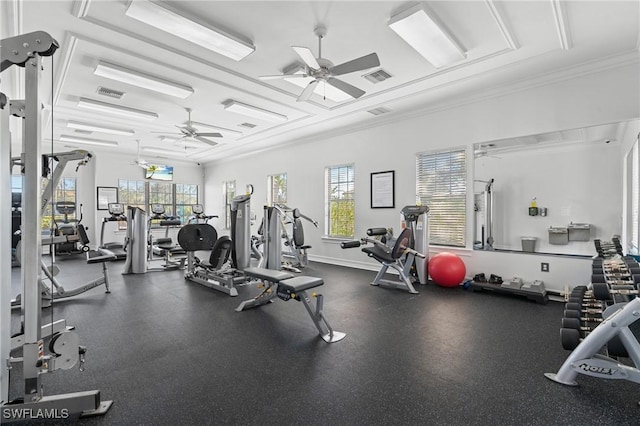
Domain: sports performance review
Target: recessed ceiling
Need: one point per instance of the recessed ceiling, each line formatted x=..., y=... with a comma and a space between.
x=506, y=45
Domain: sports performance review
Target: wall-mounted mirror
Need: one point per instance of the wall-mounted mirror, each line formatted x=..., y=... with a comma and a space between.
x=550, y=193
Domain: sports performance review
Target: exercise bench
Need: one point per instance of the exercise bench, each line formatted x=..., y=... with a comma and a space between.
x=286, y=287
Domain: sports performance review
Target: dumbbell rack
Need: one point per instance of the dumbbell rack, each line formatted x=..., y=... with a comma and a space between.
x=601, y=323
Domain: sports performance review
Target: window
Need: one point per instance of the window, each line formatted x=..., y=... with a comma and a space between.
x=64, y=192
x=176, y=198
x=161, y=193
x=228, y=192
x=131, y=193
x=441, y=184
x=340, y=201
x=186, y=197
x=277, y=189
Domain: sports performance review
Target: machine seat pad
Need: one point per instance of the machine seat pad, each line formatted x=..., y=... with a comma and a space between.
x=379, y=254
x=267, y=274
x=300, y=283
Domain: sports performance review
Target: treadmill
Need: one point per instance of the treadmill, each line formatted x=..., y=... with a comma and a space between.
x=116, y=214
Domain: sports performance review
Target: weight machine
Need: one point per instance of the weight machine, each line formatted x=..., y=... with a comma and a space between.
x=64, y=349
x=228, y=256
x=399, y=256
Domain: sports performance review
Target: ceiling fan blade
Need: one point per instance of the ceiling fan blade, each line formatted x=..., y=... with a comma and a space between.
x=362, y=63
x=207, y=141
x=167, y=133
x=308, y=91
x=209, y=135
x=306, y=55
x=277, y=77
x=350, y=90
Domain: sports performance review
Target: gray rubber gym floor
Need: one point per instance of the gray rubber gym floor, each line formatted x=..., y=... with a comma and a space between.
x=171, y=352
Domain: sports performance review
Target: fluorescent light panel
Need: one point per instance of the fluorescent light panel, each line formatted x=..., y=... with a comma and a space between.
x=85, y=141
x=203, y=35
x=116, y=109
x=425, y=34
x=95, y=128
x=140, y=79
x=255, y=112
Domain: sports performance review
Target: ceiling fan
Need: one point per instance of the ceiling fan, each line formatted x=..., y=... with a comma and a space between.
x=190, y=132
x=322, y=69
x=139, y=161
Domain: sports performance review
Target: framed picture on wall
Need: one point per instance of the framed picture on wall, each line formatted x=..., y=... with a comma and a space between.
x=106, y=195
x=382, y=190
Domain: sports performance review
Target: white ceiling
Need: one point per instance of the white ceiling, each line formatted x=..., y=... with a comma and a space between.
x=508, y=45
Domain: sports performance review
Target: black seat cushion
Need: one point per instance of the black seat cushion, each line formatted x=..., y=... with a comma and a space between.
x=379, y=254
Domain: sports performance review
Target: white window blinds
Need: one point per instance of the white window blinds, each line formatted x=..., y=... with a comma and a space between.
x=340, y=201
x=441, y=184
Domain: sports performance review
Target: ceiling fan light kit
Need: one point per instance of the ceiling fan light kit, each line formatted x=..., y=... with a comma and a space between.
x=140, y=79
x=189, y=132
x=209, y=37
x=123, y=111
x=423, y=32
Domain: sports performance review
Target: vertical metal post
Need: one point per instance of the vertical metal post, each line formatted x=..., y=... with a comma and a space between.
x=31, y=234
x=5, y=249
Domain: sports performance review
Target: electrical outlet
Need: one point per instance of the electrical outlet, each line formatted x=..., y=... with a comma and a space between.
x=544, y=267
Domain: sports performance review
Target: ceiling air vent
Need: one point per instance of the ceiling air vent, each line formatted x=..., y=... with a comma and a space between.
x=84, y=132
x=378, y=111
x=377, y=76
x=247, y=125
x=110, y=93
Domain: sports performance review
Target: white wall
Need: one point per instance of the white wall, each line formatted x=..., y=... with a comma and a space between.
x=597, y=98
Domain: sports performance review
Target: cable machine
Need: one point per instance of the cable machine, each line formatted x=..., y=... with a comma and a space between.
x=65, y=352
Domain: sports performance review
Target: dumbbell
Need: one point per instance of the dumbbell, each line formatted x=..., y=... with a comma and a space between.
x=603, y=291
x=570, y=338
x=574, y=323
x=572, y=313
x=590, y=310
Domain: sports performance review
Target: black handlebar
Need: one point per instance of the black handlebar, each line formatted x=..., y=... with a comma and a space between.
x=350, y=244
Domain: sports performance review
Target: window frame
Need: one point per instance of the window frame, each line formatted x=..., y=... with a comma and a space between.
x=172, y=207
x=271, y=199
x=329, y=230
